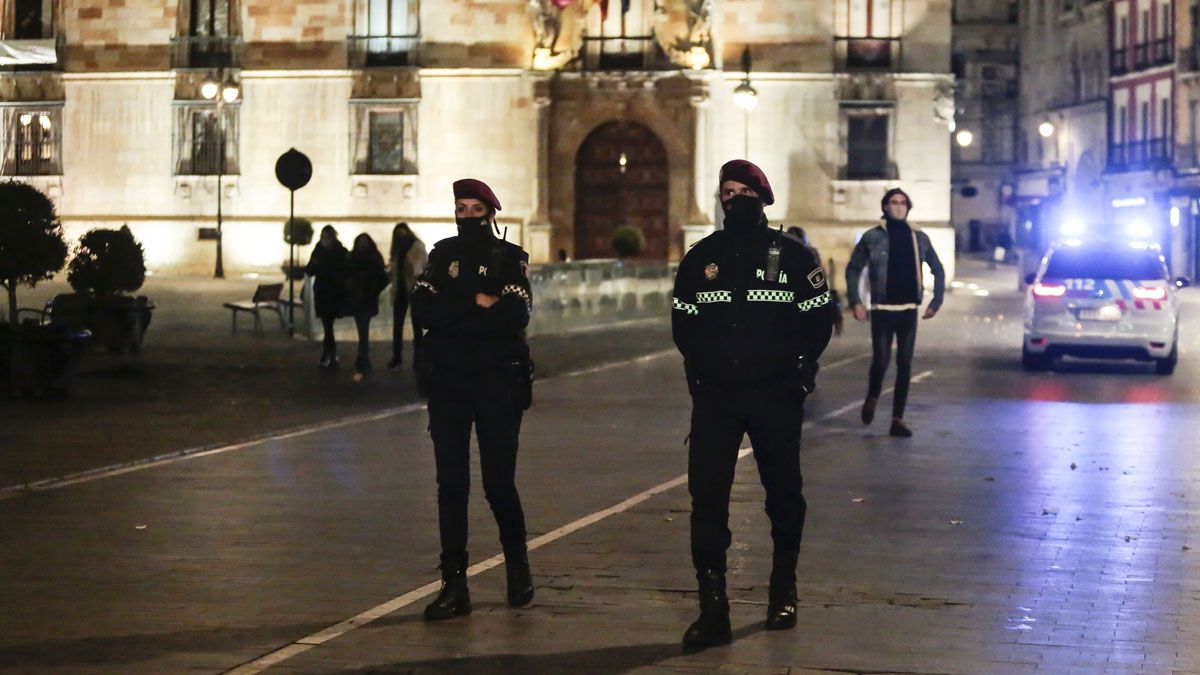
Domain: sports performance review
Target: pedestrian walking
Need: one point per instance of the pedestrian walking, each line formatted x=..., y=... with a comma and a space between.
x=751, y=315
x=406, y=259
x=894, y=254
x=474, y=301
x=366, y=277
x=327, y=266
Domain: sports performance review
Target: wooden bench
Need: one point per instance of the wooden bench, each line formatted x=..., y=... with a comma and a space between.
x=266, y=298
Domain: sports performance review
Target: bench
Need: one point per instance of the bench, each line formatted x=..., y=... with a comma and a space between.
x=266, y=298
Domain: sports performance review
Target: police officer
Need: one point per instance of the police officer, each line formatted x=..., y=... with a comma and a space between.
x=751, y=314
x=473, y=299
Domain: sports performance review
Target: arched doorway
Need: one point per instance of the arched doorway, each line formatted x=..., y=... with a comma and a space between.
x=621, y=178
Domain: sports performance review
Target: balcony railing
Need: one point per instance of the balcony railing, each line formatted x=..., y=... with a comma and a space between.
x=1189, y=59
x=867, y=53
x=639, y=52
x=1120, y=61
x=1141, y=56
x=383, y=51
x=204, y=52
x=1133, y=155
x=32, y=54
x=1163, y=51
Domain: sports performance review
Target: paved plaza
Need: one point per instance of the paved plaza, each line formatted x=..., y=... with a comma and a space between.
x=1037, y=523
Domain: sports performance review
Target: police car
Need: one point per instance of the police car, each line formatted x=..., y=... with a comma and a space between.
x=1110, y=300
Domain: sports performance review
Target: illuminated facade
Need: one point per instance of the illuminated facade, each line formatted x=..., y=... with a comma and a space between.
x=580, y=121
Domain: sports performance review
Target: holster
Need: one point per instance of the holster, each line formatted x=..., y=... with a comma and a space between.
x=524, y=370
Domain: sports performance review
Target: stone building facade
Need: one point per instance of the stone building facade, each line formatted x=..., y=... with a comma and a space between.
x=581, y=121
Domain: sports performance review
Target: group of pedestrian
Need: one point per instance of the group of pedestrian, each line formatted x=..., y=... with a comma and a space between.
x=348, y=283
x=752, y=313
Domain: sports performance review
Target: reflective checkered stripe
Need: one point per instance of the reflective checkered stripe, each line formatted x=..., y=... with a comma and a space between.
x=813, y=303
x=514, y=289
x=422, y=284
x=685, y=307
x=706, y=297
x=763, y=295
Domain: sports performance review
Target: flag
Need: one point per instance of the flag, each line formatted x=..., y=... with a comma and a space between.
x=625, y=6
x=562, y=4
x=603, y=10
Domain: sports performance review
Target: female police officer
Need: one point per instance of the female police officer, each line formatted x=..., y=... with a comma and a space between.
x=473, y=299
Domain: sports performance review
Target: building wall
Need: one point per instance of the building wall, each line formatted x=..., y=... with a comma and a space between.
x=479, y=113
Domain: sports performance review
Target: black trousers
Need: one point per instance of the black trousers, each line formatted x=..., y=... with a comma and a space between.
x=362, y=321
x=399, y=311
x=329, y=344
x=489, y=401
x=773, y=416
x=886, y=327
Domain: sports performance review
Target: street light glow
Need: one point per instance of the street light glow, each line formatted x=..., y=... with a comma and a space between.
x=745, y=96
x=1046, y=129
x=230, y=93
x=965, y=138
x=209, y=90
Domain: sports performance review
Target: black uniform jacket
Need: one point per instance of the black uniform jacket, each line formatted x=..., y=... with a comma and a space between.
x=462, y=335
x=734, y=326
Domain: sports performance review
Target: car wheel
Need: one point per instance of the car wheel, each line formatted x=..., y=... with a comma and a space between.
x=1033, y=362
x=1167, y=366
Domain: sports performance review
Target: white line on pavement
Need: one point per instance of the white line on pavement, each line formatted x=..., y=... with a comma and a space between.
x=379, y=611
x=851, y=406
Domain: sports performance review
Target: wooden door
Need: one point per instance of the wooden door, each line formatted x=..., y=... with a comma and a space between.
x=621, y=178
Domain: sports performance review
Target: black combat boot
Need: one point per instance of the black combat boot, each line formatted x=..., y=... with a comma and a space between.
x=712, y=628
x=455, y=599
x=781, y=599
x=516, y=568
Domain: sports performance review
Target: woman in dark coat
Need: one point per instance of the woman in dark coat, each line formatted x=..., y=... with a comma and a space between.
x=407, y=260
x=328, y=267
x=365, y=279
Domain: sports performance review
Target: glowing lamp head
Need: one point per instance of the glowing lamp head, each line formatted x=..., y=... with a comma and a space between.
x=964, y=138
x=745, y=97
x=210, y=89
x=1072, y=228
x=1139, y=230
x=1046, y=129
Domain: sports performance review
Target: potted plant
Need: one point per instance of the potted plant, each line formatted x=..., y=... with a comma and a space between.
x=107, y=266
x=33, y=356
x=628, y=241
x=296, y=232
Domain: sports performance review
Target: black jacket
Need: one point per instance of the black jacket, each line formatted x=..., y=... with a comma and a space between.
x=733, y=326
x=366, y=277
x=328, y=267
x=462, y=335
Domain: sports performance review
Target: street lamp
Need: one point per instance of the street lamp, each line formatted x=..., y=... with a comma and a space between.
x=746, y=98
x=221, y=91
x=964, y=138
x=1046, y=129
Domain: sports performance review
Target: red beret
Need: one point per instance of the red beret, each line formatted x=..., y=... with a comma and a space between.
x=469, y=188
x=748, y=174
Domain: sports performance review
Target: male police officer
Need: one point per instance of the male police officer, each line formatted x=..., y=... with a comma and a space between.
x=751, y=315
x=474, y=300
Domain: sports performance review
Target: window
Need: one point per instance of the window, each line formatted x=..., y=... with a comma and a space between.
x=1082, y=263
x=867, y=155
x=1194, y=122
x=1144, y=121
x=384, y=138
x=867, y=18
x=1164, y=118
x=32, y=144
x=200, y=137
x=1122, y=124
x=385, y=33
x=209, y=31
x=32, y=20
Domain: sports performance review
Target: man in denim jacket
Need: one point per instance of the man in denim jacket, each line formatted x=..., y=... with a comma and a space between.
x=894, y=253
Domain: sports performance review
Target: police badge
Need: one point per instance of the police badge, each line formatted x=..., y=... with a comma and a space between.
x=711, y=271
x=454, y=270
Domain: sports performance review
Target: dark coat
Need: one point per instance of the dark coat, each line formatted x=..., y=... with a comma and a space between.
x=733, y=325
x=366, y=277
x=461, y=335
x=328, y=267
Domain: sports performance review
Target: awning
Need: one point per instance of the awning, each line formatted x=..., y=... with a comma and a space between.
x=27, y=52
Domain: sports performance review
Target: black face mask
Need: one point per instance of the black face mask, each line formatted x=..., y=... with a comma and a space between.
x=743, y=212
x=478, y=228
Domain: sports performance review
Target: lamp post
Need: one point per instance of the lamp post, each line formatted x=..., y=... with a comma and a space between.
x=746, y=98
x=221, y=91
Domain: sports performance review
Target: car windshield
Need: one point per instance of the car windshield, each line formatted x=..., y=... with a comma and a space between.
x=1075, y=263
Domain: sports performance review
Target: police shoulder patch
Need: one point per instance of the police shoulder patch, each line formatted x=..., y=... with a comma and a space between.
x=711, y=271
x=816, y=278
x=453, y=270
